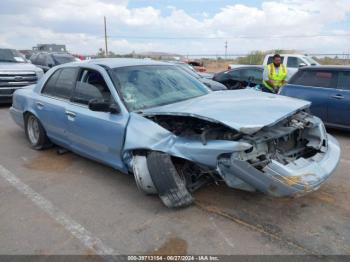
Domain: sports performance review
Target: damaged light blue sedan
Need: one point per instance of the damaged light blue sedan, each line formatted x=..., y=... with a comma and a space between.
x=164, y=126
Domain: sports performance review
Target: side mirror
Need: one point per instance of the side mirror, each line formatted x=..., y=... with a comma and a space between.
x=103, y=106
x=302, y=64
x=50, y=65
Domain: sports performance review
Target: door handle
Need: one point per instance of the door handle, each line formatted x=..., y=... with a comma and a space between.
x=39, y=105
x=338, y=96
x=70, y=114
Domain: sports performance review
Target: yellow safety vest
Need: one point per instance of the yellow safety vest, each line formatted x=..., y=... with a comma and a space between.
x=276, y=78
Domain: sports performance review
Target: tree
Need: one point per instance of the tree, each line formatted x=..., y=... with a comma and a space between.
x=254, y=58
x=101, y=53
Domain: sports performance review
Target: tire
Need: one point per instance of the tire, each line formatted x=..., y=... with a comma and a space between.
x=170, y=185
x=142, y=176
x=35, y=133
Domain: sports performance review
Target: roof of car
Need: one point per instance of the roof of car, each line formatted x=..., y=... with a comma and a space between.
x=122, y=62
x=236, y=67
x=288, y=55
x=326, y=67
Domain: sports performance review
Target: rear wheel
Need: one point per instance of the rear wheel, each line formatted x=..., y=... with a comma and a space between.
x=170, y=185
x=35, y=132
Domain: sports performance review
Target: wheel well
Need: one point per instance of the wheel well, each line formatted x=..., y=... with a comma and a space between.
x=26, y=113
x=195, y=175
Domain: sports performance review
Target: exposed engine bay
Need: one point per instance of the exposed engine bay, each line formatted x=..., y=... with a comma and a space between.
x=300, y=135
x=195, y=128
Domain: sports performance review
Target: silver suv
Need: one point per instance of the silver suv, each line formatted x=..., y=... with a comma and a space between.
x=15, y=72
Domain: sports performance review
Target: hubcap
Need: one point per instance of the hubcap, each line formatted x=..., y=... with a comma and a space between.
x=33, y=130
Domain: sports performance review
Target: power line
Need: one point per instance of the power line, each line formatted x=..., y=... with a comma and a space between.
x=227, y=37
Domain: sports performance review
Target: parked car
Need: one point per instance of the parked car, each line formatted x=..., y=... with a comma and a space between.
x=15, y=73
x=153, y=120
x=328, y=88
x=240, y=77
x=197, y=66
x=213, y=85
x=27, y=53
x=46, y=60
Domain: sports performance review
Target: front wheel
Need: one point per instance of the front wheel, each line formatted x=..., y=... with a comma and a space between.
x=35, y=132
x=170, y=186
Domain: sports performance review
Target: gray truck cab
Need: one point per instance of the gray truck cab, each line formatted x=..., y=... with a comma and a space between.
x=15, y=72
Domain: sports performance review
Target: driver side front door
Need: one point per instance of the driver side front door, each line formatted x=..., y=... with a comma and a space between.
x=96, y=135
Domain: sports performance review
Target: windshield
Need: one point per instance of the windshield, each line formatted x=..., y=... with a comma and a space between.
x=311, y=60
x=62, y=59
x=188, y=70
x=149, y=86
x=12, y=56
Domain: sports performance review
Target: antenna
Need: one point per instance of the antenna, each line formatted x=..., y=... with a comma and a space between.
x=226, y=49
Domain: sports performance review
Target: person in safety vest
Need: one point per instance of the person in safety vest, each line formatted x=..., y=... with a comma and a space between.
x=274, y=75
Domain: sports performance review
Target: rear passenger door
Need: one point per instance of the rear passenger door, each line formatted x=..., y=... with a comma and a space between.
x=339, y=106
x=229, y=78
x=52, y=103
x=314, y=86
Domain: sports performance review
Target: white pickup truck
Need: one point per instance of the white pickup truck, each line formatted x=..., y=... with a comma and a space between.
x=292, y=61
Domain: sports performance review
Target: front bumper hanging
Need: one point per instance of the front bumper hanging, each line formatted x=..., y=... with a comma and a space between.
x=295, y=179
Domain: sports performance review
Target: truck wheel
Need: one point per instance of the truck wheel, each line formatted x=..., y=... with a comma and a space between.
x=170, y=185
x=35, y=132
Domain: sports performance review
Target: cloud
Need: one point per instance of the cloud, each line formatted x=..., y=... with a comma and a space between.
x=79, y=24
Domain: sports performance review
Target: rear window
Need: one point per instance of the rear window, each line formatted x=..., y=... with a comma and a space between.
x=62, y=59
x=322, y=78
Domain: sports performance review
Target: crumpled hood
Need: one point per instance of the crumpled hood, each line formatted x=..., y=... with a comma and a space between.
x=18, y=67
x=246, y=111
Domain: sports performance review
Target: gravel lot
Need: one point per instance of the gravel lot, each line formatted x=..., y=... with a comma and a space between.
x=66, y=204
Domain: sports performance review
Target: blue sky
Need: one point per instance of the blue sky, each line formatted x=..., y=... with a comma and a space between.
x=182, y=26
x=194, y=8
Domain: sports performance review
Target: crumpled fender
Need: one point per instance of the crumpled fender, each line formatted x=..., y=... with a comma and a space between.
x=142, y=133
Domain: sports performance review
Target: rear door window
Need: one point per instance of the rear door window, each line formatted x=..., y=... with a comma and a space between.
x=61, y=83
x=252, y=74
x=345, y=81
x=316, y=78
x=49, y=87
x=235, y=74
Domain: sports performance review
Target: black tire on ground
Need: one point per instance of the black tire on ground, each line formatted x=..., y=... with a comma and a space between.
x=170, y=186
x=42, y=140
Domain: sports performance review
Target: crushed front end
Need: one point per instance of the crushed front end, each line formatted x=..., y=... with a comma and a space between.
x=291, y=158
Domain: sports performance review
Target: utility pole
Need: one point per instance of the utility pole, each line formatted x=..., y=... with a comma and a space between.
x=106, y=46
x=226, y=50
